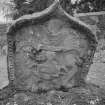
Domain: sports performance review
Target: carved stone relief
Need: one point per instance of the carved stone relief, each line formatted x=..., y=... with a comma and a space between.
x=49, y=54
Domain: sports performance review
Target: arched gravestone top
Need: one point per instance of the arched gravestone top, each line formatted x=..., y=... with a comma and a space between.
x=42, y=44
x=54, y=10
x=48, y=50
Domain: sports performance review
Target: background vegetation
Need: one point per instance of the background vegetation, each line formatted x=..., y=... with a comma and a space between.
x=71, y=6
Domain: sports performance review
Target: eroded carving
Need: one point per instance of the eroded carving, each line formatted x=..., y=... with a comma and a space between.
x=48, y=55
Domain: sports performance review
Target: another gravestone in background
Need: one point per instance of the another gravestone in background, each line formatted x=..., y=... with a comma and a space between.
x=97, y=23
x=3, y=56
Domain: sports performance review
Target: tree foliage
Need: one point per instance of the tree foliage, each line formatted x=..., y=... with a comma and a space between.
x=29, y=6
x=80, y=6
x=85, y=6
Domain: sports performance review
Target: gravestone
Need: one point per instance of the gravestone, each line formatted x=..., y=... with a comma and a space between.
x=49, y=55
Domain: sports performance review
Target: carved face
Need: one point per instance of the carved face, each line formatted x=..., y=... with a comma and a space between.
x=47, y=55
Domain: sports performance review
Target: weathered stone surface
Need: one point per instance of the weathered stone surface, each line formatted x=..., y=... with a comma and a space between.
x=47, y=56
x=55, y=65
